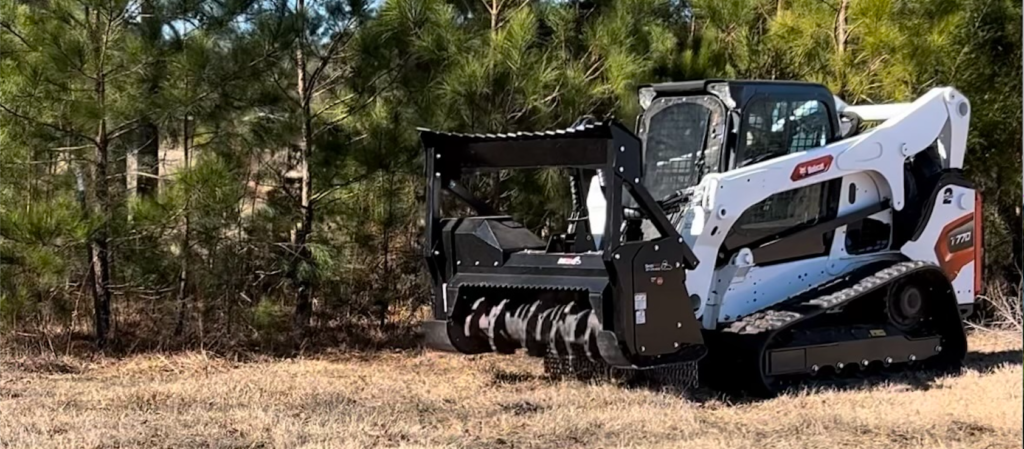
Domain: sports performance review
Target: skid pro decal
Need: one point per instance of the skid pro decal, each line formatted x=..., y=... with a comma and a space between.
x=663, y=266
x=812, y=167
x=570, y=260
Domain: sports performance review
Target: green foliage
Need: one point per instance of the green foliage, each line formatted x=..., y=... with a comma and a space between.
x=214, y=246
x=269, y=318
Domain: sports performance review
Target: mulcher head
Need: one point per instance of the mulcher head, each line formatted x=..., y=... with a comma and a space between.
x=499, y=287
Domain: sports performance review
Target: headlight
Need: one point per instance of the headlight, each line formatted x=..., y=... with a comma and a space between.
x=646, y=97
x=708, y=197
x=721, y=90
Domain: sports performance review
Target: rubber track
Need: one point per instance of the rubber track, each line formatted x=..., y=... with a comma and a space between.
x=813, y=303
x=748, y=338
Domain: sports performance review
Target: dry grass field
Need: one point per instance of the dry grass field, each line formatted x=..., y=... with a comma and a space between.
x=426, y=399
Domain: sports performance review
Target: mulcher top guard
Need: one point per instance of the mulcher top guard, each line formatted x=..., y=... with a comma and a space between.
x=768, y=225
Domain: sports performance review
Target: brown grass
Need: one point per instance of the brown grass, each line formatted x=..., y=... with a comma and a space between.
x=1000, y=309
x=415, y=399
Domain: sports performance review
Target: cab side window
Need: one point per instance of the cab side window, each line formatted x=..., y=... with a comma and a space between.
x=773, y=128
x=786, y=209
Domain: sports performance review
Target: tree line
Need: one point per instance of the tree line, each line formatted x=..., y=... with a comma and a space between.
x=247, y=172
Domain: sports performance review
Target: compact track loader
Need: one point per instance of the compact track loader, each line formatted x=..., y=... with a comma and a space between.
x=762, y=229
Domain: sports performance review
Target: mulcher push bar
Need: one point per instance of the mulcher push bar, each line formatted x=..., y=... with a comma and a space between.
x=635, y=289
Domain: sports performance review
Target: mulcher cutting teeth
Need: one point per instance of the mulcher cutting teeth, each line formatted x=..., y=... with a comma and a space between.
x=540, y=327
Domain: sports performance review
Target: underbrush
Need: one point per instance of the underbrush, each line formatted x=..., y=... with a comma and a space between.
x=999, y=309
x=264, y=330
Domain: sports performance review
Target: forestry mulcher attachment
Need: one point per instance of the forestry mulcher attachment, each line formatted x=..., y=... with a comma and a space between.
x=761, y=228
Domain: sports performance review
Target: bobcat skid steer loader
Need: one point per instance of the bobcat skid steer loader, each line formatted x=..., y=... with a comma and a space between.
x=757, y=227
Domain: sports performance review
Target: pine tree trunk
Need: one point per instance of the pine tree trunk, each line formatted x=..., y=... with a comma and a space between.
x=100, y=206
x=186, y=242
x=386, y=299
x=100, y=245
x=495, y=196
x=131, y=176
x=147, y=154
x=303, y=302
x=841, y=36
x=494, y=10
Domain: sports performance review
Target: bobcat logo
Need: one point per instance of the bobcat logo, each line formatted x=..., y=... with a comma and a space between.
x=812, y=167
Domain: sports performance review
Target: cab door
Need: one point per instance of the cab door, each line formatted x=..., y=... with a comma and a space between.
x=772, y=126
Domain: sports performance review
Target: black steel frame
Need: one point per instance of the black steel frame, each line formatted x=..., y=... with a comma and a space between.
x=617, y=153
x=607, y=146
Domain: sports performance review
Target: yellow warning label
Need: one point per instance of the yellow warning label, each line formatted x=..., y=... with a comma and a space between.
x=877, y=332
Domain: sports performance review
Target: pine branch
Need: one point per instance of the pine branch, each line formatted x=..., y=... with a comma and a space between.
x=52, y=126
x=120, y=70
x=335, y=187
x=335, y=45
x=70, y=19
x=329, y=83
x=370, y=99
x=286, y=92
x=10, y=29
x=124, y=128
x=70, y=149
x=332, y=105
x=80, y=68
x=826, y=3
x=973, y=32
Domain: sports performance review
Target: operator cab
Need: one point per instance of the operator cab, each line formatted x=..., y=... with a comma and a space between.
x=693, y=128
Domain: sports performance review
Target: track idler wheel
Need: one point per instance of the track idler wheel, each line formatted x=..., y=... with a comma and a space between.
x=906, y=306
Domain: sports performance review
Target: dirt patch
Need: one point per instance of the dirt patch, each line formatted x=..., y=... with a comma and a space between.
x=501, y=376
x=43, y=365
x=521, y=408
x=960, y=430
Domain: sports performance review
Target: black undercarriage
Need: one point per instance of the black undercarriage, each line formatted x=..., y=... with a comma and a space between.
x=840, y=328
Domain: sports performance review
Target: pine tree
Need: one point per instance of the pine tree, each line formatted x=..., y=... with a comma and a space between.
x=81, y=69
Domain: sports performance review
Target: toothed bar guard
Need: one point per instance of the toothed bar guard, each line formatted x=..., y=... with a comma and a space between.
x=499, y=287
